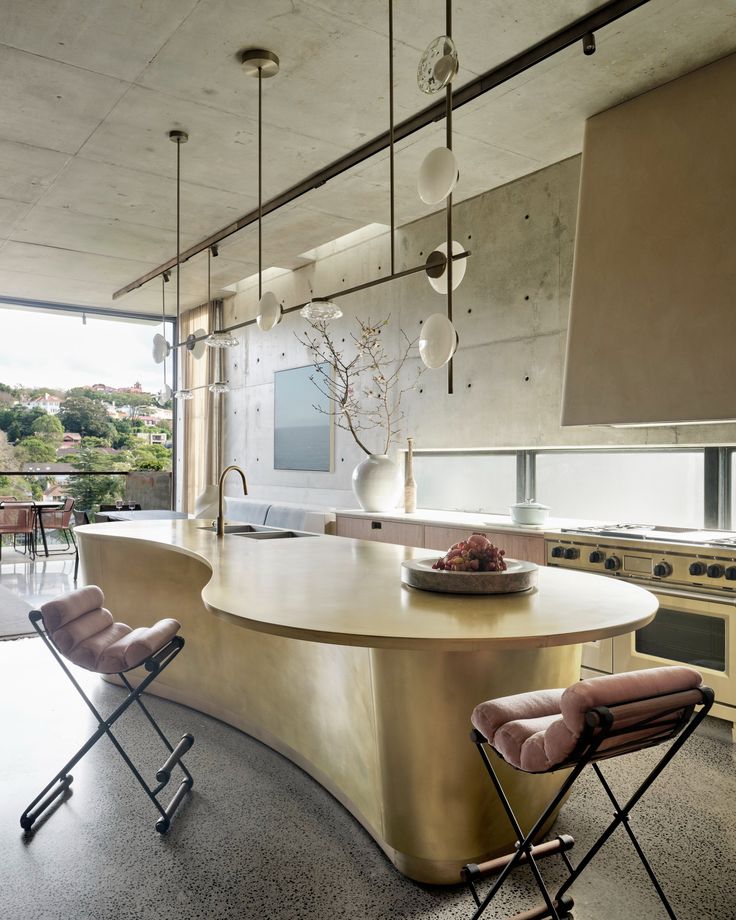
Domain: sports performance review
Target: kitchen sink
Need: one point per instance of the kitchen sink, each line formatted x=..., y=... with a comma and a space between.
x=240, y=528
x=271, y=534
x=258, y=532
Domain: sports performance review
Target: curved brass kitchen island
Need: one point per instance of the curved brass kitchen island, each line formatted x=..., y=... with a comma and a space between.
x=313, y=646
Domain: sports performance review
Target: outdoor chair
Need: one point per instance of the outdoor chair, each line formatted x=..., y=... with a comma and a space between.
x=79, y=628
x=594, y=720
x=61, y=520
x=18, y=521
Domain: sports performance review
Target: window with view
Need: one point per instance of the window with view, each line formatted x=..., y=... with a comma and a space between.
x=78, y=394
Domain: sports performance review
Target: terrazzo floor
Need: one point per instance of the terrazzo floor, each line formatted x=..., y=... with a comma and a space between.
x=258, y=838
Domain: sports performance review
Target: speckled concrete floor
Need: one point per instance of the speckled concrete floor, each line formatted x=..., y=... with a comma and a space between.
x=260, y=839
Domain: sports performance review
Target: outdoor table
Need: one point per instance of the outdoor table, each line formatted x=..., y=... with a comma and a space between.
x=40, y=508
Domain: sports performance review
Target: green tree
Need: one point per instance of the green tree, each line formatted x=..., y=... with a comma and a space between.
x=124, y=438
x=151, y=457
x=49, y=428
x=85, y=415
x=35, y=450
x=17, y=421
x=92, y=491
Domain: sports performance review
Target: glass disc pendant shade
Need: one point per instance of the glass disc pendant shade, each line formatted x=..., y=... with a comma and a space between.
x=438, y=340
x=438, y=175
x=184, y=394
x=164, y=395
x=438, y=65
x=221, y=340
x=436, y=267
x=196, y=344
x=161, y=348
x=219, y=386
x=269, y=312
x=318, y=309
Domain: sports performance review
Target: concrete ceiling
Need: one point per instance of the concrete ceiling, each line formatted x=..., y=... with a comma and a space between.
x=91, y=88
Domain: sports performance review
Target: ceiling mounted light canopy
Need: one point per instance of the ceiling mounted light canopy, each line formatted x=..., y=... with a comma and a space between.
x=269, y=312
x=438, y=65
x=438, y=175
x=319, y=308
x=438, y=341
x=436, y=267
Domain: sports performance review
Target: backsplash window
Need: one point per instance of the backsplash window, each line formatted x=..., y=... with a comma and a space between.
x=643, y=487
x=466, y=482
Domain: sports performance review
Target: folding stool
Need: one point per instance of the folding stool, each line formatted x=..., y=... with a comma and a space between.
x=78, y=627
x=594, y=720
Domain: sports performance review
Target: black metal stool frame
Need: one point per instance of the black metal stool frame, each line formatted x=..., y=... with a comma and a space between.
x=599, y=727
x=154, y=664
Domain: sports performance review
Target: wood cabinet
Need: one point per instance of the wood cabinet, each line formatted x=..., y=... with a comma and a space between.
x=380, y=530
x=439, y=537
x=518, y=546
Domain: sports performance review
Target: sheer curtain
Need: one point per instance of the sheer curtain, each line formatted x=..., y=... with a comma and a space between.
x=201, y=415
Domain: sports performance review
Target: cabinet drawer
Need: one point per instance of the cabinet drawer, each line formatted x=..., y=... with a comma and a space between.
x=381, y=531
x=517, y=546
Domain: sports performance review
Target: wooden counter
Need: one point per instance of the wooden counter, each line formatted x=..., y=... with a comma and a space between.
x=313, y=646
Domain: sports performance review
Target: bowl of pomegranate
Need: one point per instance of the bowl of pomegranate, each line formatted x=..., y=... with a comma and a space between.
x=471, y=566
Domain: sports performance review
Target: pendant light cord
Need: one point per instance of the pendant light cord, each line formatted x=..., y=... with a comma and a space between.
x=448, y=125
x=163, y=319
x=178, y=224
x=260, y=185
x=391, y=128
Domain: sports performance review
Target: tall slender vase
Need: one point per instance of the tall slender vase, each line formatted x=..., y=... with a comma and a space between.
x=410, y=486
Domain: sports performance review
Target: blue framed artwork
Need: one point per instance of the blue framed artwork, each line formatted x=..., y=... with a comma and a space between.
x=302, y=434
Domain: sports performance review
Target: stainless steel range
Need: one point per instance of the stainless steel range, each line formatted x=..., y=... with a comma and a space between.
x=693, y=575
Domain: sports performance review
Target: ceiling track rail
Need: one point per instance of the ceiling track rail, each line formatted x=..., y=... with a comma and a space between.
x=548, y=47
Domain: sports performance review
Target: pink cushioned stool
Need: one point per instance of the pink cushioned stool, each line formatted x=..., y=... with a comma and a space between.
x=79, y=627
x=593, y=720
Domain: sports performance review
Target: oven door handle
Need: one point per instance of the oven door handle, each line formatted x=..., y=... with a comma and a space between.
x=688, y=595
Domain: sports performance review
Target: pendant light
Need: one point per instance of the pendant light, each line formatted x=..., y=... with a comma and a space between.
x=195, y=341
x=319, y=309
x=437, y=178
x=257, y=62
x=164, y=394
x=439, y=64
x=217, y=339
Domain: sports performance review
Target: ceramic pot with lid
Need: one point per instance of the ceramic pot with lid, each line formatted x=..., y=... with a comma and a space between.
x=529, y=512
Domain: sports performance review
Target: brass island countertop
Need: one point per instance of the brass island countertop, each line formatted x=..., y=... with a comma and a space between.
x=348, y=592
x=314, y=646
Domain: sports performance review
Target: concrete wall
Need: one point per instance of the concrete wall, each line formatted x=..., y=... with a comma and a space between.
x=511, y=313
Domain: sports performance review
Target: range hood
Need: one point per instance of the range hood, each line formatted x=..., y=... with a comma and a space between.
x=652, y=331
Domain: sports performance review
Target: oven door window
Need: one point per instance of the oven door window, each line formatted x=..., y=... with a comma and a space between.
x=694, y=639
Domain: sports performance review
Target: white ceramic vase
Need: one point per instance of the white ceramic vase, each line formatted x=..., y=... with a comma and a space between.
x=376, y=483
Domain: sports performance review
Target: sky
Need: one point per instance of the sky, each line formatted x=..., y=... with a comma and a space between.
x=55, y=350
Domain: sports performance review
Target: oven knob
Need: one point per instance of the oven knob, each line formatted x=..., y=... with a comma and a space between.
x=571, y=552
x=697, y=568
x=557, y=551
x=613, y=563
x=662, y=569
x=596, y=556
x=731, y=573
x=715, y=571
